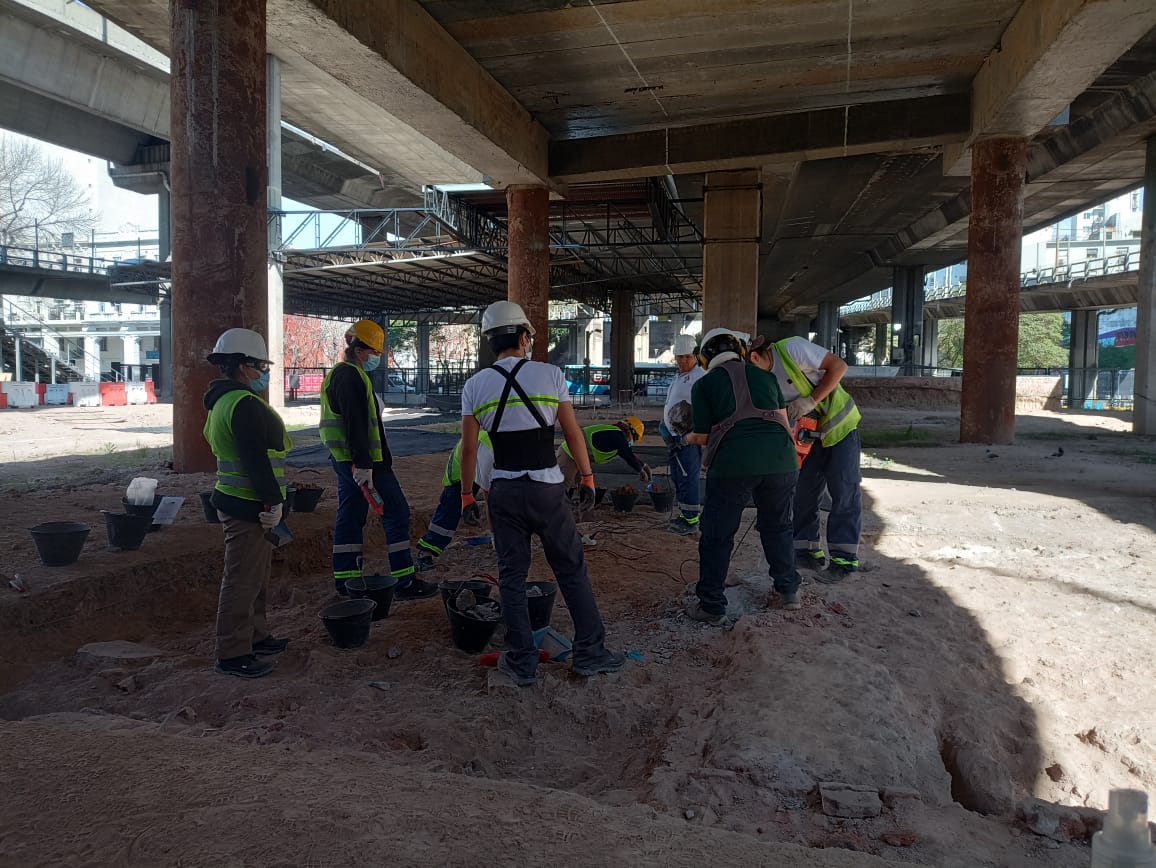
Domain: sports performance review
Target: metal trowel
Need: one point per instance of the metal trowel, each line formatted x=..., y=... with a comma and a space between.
x=279, y=535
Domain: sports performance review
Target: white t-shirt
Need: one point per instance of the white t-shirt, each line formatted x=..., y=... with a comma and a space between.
x=808, y=356
x=484, y=469
x=543, y=384
x=680, y=391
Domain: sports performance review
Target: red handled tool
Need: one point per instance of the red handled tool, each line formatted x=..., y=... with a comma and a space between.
x=375, y=501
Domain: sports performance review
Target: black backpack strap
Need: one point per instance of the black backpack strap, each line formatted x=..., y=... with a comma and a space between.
x=512, y=383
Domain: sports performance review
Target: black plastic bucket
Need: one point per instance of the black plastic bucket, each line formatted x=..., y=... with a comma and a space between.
x=623, y=502
x=59, y=542
x=210, y=510
x=126, y=532
x=542, y=606
x=144, y=509
x=377, y=588
x=662, y=500
x=471, y=634
x=599, y=495
x=290, y=499
x=348, y=622
x=450, y=589
x=306, y=499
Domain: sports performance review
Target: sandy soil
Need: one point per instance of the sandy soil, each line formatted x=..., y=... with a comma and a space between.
x=996, y=646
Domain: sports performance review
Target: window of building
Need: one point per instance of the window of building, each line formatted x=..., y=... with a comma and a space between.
x=1137, y=200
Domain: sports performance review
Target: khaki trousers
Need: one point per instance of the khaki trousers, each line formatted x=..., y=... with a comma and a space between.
x=241, y=608
x=571, y=475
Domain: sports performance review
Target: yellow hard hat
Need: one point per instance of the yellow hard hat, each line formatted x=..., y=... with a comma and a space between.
x=369, y=333
x=635, y=425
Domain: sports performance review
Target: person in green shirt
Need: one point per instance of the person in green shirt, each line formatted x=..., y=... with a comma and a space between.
x=749, y=455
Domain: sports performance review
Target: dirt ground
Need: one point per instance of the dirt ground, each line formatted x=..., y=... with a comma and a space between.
x=996, y=646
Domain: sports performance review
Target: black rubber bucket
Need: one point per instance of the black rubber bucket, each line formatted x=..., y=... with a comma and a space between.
x=290, y=499
x=541, y=606
x=126, y=532
x=59, y=542
x=471, y=634
x=348, y=622
x=662, y=500
x=599, y=495
x=306, y=499
x=623, y=502
x=377, y=588
x=144, y=509
x=210, y=510
x=450, y=589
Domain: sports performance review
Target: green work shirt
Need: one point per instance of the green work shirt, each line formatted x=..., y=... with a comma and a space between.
x=754, y=447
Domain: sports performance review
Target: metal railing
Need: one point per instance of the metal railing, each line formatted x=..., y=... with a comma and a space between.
x=1108, y=389
x=54, y=260
x=77, y=362
x=394, y=385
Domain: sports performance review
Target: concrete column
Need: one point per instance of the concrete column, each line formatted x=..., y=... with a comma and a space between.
x=486, y=356
x=1083, y=357
x=828, y=326
x=529, y=259
x=622, y=346
x=276, y=285
x=165, y=305
x=18, y=371
x=92, y=359
x=422, y=382
x=1144, y=412
x=730, y=264
x=930, y=353
x=907, y=312
x=130, y=355
x=802, y=327
x=992, y=309
x=218, y=199
x=883, y=343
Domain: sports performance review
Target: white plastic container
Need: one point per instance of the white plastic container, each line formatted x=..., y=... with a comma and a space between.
x=1125, y=841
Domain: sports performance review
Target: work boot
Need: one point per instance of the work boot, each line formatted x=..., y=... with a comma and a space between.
x=244, y=667
x=696, y=612
x=790, y=600
x=811, y=559
x=270, y=646
x=681, y=526
x=519, y=680
x=425, y=561
x=840, y=567
x=416, y=590
x=610, y=661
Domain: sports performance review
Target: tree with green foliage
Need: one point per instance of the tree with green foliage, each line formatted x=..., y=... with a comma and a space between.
x=1040, y=342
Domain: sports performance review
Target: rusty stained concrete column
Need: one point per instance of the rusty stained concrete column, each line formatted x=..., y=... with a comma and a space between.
x=732, y=224
x=622, y=334
x=529, y=259
x=992, y=309
x=1144, y=412
x=220, y=237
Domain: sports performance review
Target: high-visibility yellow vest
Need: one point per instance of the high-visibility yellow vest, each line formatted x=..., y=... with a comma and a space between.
x=596, y=455
x=231, y=476
x=332, y=428
x=453, y=471
x=838, y=415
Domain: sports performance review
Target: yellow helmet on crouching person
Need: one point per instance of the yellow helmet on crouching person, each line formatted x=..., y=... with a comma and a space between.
x=367, y=332
x=720, y=340
x=634, y=426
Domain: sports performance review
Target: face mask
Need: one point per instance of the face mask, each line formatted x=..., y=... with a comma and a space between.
x=261, y=383
x=371, y=364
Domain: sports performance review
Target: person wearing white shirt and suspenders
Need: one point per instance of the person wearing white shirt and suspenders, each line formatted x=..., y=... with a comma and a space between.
x=517, y=402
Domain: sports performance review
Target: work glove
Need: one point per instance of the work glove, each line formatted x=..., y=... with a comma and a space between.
x=644, y=474
x=471, y=512
x=800, y=407
x=363, y=476
x=271, y=517
x=586, y=493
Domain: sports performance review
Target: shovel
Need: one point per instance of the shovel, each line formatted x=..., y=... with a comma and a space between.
x=280, y=535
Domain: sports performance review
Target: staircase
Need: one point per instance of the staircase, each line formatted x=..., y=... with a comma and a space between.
x=35, y=362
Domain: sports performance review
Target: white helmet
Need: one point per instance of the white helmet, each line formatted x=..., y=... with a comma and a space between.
x=239, y=342
x=684, y=345
x=721, y=340
x=505, y=317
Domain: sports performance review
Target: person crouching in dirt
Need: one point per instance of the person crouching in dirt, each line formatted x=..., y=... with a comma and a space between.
x=518, y=402
x=352, y=431
x=249, y=441
x=677, y=420
x=448, y=514
x=604, y=443
x=749, y=454
x=809, y=378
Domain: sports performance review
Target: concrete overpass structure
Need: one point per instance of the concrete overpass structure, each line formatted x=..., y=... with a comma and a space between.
x=825, y=140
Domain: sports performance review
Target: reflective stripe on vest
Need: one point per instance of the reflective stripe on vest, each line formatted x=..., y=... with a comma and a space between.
x=232, y=478
x=332, y=427
x=838, y=414
x=453, y=471
x=597, y=456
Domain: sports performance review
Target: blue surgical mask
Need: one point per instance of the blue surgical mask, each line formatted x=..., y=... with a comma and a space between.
x=261, y=383
x=370, y=364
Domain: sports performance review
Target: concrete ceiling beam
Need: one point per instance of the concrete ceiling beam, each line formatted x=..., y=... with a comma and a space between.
x=1050, y=53
x=900, y=125
x=410, y=80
